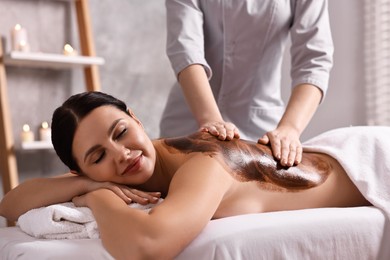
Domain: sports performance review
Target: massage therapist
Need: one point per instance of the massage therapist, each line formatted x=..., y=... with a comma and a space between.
x=227, y=56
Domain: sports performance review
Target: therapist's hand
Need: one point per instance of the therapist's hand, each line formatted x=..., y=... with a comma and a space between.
x=285, y=144
x=222, y=130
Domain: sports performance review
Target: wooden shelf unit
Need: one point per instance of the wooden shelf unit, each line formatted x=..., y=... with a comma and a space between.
x=88, y=62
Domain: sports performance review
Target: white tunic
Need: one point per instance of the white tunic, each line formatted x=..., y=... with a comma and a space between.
x=240, y=43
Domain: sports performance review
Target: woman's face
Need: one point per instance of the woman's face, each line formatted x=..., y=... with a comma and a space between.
x=110, y=145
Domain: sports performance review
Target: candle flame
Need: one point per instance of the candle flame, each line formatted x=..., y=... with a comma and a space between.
x=18, y=27
x=68, y=48
x=45, y=125
x=26, y=128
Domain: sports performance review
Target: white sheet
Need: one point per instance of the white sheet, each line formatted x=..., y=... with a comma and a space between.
x=364, y=153
x=327, y=233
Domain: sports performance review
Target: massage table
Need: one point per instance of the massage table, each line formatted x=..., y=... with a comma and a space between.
x=325, y=233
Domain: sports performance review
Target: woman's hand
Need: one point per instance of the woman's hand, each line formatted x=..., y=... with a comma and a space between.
x=126, y=193
x=285, y=144
x=222, y=130
x=140, y=197
x=80, y=201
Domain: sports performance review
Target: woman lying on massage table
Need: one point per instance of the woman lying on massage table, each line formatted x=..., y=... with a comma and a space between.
x=199, y=176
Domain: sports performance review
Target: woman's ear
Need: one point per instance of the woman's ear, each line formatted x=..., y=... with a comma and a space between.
x=132, y=115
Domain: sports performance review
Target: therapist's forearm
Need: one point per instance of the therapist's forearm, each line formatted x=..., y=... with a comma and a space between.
x=198, y=93
x=302, y=105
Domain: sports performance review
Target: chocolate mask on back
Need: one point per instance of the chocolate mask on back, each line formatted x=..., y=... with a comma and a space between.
x=249, y=161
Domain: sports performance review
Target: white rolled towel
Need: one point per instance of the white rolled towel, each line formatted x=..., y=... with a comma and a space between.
x=64, y=221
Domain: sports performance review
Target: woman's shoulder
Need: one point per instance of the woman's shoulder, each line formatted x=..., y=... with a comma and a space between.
x=206, y=143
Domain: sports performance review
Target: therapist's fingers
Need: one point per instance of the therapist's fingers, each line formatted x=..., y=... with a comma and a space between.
x=275, y=145
x=222, y=130
x=211, y=129
x=298, y=156
x=264, y=139
x=285, y=152
x=231, y=131
x=285, y=144
x=291, y=152
x=272, y=138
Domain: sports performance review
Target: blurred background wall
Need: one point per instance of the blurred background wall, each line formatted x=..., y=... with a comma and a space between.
x=130, y=36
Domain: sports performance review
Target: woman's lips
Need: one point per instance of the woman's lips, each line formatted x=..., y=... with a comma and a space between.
x=134, y=165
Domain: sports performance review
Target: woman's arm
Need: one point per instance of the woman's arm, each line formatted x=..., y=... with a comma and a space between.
x=194, y=196
x=40, y=192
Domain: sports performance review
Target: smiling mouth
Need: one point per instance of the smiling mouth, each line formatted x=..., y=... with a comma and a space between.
x=134, y=165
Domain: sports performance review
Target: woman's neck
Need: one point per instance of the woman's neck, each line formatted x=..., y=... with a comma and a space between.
x=162, y=174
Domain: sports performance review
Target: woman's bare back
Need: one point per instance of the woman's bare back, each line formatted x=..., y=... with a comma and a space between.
x=262, y=184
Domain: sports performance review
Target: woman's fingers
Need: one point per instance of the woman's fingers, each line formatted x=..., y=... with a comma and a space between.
x=142, y=197
x=129, y=195
x=120, y=191
x=79, y=201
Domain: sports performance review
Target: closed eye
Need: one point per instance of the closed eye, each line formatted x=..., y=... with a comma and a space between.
x=124, y=131
x=101, y=156
x=103, y=153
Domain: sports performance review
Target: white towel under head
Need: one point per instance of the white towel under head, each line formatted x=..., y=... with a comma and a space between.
x=64, y=221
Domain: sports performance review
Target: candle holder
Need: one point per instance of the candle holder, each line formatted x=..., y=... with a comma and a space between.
x=45, y=132
x=27, y=135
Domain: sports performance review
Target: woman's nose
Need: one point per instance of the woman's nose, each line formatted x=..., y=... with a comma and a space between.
x=122, y=153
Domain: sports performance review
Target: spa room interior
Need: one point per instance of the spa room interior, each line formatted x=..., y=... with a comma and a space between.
x=119, y=47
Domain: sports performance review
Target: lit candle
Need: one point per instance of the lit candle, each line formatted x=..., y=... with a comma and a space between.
x=27, y=135
x=45, y=132
x=69, y=50
x=19, y=39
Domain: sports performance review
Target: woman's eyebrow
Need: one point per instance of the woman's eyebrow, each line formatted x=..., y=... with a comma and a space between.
x=109, y=131
x=111, y=128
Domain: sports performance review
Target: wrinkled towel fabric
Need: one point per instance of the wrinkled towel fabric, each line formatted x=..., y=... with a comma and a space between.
x=64, y=221
x=364, y=153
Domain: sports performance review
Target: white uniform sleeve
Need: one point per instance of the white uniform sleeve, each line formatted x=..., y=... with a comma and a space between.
x=312, y=44
x=185, y=37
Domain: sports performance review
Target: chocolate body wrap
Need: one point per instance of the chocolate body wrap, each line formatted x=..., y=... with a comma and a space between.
x=248, y=161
